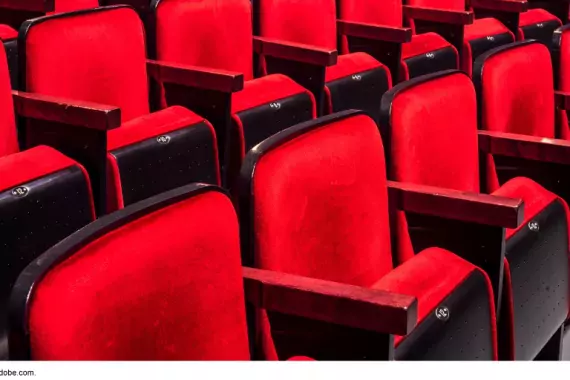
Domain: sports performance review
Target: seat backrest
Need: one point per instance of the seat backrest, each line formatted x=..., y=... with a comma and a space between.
x=158, y=280
x=304, y=22
x=74, y=5
x=8, y=137
x=516, y=89
x=314, y=201
x=431, y=123
x=214, y=33
x=96, y=55
x=455, y=5
x=386, y=12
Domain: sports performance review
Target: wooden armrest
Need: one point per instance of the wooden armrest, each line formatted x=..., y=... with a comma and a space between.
x=515, y=6
x=192, y=76
x=439, y=15
x=42, y=6
x=562, y=100
x=374, y=32
x=451, y=204
x=71, y=112
x=327, y=301
x=526, y=147
x=295, y=52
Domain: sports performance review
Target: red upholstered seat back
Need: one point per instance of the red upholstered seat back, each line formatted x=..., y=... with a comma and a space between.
x=305, y=22
x=97, y=55
x=517, y=91
x=165, y=286
x=456, y=5
x=73, y=5
x=433, y=127
x=320, y=206
x=8, y=138
x=385, y=12
x=213, y=33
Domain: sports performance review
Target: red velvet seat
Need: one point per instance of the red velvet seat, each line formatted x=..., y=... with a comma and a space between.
x=162, y=280
x=99, y=55
x=561, y=60
x=218, y=35
x=314, y=202
x=7, y=33
x=356, y=81
x=431, y=123
x=425, y=53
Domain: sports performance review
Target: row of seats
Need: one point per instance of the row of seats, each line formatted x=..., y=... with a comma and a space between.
x=311, y=195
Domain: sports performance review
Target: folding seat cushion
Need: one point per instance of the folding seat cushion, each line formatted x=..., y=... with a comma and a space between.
x=314, y=203
x=433, y=141
x=424, y=54
x=162, y=280
x=99, y=55
x=357, y=81
x=483, y=34
x=538, y=24
x=218, y=35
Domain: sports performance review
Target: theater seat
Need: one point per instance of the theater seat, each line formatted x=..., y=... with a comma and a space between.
x=434, y=141
x=162, y=280
x=315, y=203
x=218, y=35
x=149, y=152
x=74, y=5
x=455, y=20
x=425, y=53
x=357, y=81
x=538, y=24
x=560, y=61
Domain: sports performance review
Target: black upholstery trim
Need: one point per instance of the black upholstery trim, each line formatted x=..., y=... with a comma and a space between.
x=541, y=31
x=437, y=60
x=22, y=293
x=481, y=45
x=467, y=334
x=538, y=261
x=360, y=90
x=164, y=162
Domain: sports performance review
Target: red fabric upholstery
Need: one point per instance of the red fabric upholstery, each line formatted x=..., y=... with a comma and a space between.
x=7, y=32
x=221, y=30
x=74, y=5
x=19, y=168
x=305, y=22
x=331, y=226
x=431, y=276
x=480, y=28
x=450, y=144
x=109, y=69
x=534, y=16
x=8, y=137
x=524, y=101
x=386, y=12
x=349, y=64
x=264, y=90
x=167, y=286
